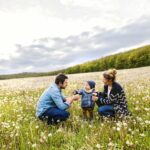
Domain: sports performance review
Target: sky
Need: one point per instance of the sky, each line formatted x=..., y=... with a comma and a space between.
x=47, y=35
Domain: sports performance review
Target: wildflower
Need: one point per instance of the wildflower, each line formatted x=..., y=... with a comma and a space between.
x=110, y=144
x=118, y=129
x=129, y=143
x=142, y=134
x=98, y=146
x=50, y=134
x=37, y=127
x=34, y=145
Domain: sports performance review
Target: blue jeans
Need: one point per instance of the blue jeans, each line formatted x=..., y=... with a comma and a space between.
x=106, y=110
x=54, y=115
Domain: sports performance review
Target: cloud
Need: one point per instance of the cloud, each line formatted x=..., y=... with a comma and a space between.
x=46, y=54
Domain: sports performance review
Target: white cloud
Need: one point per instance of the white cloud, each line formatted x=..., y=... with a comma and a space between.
x=24, y=22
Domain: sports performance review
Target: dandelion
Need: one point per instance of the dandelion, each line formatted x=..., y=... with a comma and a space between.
x=36, y=127
x=142, y=134
x=118, y=129
x=50, y=134
x=17, y=127
x=147, y=121
x=110, y=144
x=90, y=126
x=102, y=124
x=114, y=128
x=129, y=143
x=34, y=145
x=98, y=146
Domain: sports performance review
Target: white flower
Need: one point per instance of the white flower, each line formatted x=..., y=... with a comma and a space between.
x=34, y=145
x=114, y=128
x=98, y=146
x=110, y=144
x=129, y=143
x=90, y=126
x=118, y=129
x=50, y=134
x=37, y=127
x=142, y=134
x=17, y=127
x=137, y=108
x=146, y=109
x=102, y=124
x=147, y=121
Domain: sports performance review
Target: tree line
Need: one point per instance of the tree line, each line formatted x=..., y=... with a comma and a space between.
x=139, y=57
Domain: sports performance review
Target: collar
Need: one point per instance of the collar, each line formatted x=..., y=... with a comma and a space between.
x=55, y=85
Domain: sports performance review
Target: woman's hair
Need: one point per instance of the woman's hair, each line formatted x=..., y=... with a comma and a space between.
x=60, y=78
x=110, y=74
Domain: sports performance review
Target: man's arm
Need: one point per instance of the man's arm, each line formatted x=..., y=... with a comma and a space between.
x=58, y=100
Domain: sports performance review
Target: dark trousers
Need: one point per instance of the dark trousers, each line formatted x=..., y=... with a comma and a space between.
x=88, y=113
x=54, y=115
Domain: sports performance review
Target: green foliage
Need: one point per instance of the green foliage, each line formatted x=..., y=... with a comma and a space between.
x=131, y=59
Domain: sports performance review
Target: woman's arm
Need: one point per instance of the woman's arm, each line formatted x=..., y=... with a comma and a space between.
x=102, y=99
x=113, y=98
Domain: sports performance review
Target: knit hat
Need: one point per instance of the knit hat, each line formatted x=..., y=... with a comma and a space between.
x=91, y=84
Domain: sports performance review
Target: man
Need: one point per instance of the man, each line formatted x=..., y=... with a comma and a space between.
x=52, y=104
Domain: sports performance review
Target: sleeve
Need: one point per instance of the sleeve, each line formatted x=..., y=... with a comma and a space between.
x=80, y=92
x=64, y=97
x=58, y=100
x=113, y=98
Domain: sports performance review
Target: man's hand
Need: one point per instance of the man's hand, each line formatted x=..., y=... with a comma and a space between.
x=76, y=97
x=73, y=98
x=69, y=100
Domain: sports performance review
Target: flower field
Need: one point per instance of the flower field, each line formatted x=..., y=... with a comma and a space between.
x=20, y=129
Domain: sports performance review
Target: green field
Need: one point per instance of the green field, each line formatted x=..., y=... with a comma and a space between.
x=20, y=129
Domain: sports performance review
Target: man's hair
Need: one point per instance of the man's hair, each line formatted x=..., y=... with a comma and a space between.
x=60, y=78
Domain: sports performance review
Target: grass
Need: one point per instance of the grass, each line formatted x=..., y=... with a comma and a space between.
x=20, y=129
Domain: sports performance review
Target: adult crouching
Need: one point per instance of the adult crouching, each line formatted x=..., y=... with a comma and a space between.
x=112, y=101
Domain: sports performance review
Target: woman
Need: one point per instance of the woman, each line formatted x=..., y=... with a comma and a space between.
x=112, y=101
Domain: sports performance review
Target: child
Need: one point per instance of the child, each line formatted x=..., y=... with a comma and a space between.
x=87, y=103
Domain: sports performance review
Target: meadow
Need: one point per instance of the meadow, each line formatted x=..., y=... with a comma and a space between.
x=20, y=129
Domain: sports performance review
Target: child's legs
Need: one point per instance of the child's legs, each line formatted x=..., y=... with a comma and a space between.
x=90, y=113
x=85, y=115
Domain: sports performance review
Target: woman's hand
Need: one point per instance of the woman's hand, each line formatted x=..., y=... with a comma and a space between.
x=94, y=98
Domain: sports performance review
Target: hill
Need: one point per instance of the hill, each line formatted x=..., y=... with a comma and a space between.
x=139, y=57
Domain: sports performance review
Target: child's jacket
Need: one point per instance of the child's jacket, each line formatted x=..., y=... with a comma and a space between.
x=86, y=100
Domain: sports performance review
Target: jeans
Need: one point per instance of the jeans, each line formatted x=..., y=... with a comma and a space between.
x=106, y=110
x=54, y=115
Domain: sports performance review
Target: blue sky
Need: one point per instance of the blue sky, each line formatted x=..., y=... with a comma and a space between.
x=45, y=35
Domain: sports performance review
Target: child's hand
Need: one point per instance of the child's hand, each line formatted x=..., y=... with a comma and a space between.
x=75, y=92
x=95, y=96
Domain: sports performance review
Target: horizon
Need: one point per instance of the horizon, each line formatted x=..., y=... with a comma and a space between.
x=35, y=33
x=118, y=52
